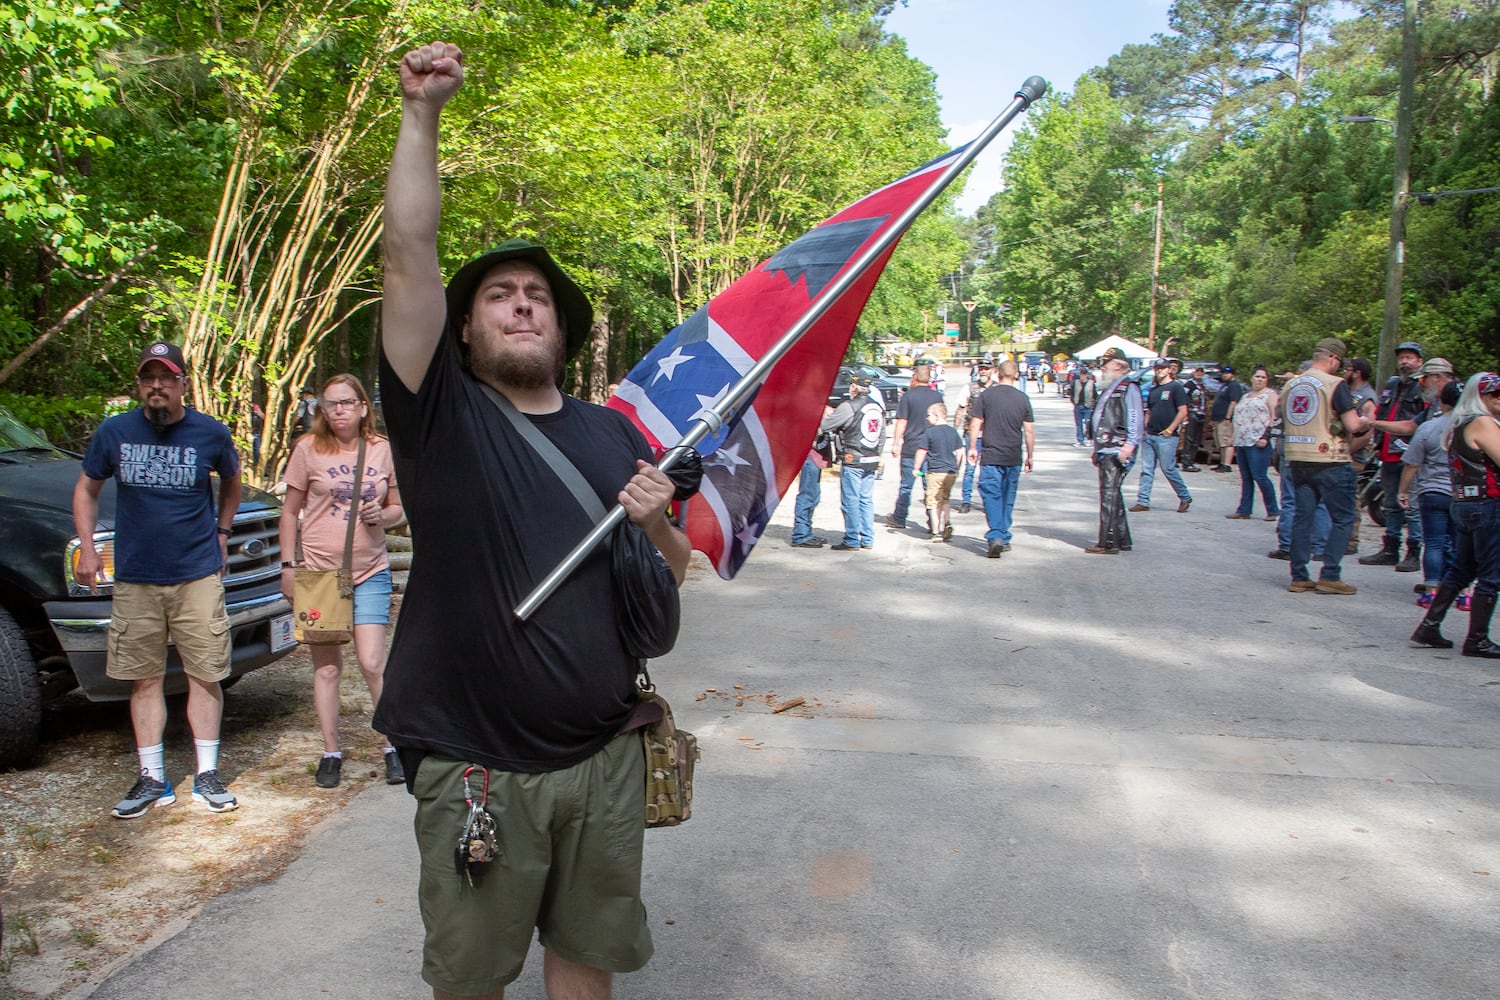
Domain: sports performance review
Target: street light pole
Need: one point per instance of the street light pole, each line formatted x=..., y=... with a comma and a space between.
x=1396, y=256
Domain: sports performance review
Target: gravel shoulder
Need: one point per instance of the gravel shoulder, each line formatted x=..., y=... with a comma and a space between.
x=83, y=893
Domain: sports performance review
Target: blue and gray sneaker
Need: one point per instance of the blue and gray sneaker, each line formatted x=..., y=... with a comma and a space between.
x=144, y=794
x=210, y=790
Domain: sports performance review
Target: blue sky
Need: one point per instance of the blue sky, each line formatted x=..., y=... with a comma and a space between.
x=982, y=50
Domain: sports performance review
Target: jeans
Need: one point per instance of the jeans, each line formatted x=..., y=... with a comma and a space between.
x=968, y=487
x=1255, y=470
x=1395, y=514
x=903, y=495
x=857, y=499
x=1321, y=521
x=1192, y=440
x=1081, y=417
x=1114, y=530
x=1159, y=449
x=998, y=485
x=1329, y=483
x=1476, y=548
x=1435, y=511
x=809, y=492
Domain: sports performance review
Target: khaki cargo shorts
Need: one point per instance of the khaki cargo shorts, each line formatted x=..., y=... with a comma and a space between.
x=569, y=867
x=144, y=615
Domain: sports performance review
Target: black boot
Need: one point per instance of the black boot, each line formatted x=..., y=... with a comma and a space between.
x=1428, y=633
x=1481, y=607
x=1389, y=555
x=1413, y=560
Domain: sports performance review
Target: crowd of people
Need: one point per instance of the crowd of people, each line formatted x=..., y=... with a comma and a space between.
x=1318, y=427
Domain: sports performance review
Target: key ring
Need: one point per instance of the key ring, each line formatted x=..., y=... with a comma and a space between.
x=485, y=789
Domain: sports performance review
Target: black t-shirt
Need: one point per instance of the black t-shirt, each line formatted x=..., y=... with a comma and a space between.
x=913, y=409
x=941, y=441
x=1161, y=405
x=489, y=520
x=1005, y=410
x=1232, y=392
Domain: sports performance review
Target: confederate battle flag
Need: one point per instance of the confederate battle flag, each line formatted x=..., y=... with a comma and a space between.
x=751, y=461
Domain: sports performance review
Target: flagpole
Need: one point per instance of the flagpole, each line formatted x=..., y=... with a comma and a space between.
x=711, y=419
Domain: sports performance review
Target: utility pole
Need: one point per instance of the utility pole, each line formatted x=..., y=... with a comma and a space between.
x=1396, y=256
x=1155, y=270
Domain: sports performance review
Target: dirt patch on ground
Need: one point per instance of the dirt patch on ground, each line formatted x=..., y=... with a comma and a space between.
x=83, y=893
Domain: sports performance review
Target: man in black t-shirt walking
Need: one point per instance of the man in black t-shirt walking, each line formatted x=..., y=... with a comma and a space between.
x=1002, y=417
x=1166, y=410
x=525, y=716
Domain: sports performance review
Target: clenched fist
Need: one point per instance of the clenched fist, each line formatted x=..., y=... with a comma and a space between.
x=432, y=73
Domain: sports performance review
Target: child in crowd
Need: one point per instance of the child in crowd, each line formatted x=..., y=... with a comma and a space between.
x=942, y=449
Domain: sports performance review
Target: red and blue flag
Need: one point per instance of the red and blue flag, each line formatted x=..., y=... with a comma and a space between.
x=751, y=461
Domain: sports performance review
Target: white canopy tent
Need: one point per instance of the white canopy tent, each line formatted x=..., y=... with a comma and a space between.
x=1133, y=351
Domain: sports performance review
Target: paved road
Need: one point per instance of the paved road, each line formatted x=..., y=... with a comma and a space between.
x=1051, y=776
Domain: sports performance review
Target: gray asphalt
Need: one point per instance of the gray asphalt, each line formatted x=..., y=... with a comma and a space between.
x=1051, y=775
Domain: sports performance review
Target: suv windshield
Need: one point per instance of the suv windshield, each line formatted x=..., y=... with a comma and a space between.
x=16, y=436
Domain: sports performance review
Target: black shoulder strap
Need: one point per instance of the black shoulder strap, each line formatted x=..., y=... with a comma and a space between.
x=555, y=459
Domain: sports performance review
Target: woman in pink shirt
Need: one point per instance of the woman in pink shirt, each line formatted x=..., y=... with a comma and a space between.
x=319, y=502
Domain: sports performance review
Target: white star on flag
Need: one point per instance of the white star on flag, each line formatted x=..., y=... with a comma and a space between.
x=667, y=365
x=729, y=458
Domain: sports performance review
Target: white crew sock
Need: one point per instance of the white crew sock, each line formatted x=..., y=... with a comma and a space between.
x=208, y=755
x=152, y=761
x=337, y=754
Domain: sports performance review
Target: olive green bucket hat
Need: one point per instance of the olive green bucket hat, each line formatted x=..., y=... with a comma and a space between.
x=573, y=306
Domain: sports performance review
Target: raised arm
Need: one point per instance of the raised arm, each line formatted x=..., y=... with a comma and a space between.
x=413, y=309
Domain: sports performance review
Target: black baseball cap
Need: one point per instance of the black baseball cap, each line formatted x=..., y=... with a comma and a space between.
x=573, y=306
x=168, y=354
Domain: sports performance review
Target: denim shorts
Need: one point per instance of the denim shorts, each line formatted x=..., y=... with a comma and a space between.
x=372, y=599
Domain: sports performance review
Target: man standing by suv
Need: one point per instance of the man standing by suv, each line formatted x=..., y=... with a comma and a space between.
x=907, y=433
x=1192, y=431
x=170, y=551
x=1166, y=410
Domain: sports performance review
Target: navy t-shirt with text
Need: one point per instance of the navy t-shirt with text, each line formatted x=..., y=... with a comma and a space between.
x=165, y=525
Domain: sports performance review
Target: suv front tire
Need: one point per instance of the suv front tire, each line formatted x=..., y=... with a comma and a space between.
x=20, y=695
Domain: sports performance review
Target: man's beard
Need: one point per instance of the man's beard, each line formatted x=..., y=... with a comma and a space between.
x=160, y=417
x=1429, y=393
x=527, y=370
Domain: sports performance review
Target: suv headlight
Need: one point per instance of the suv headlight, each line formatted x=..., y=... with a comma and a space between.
x=104, y=542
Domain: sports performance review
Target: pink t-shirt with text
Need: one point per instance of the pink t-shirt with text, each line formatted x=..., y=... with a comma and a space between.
x=327, y=480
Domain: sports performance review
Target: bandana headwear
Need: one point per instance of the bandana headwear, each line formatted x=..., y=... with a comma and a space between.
x=1488, y=382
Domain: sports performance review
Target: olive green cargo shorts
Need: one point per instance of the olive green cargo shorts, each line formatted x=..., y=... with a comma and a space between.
x=570, y=867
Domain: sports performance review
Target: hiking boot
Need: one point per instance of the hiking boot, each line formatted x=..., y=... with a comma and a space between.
x=1137, y=508
x=1282, y=554
x=395, y=774
x=810, y=543
x=329, y=772
x=1182, y=508
x=1429, y=635
x=995, y=550
x=145, y=793
x=894, y=522
x=841, y=547
x=1481, y=608
x=947, y=532
x=1302, y=586
x=208, y=789
x=1413, y=560
x=1387, y=556
x=1336, y=587
x=1102, y=550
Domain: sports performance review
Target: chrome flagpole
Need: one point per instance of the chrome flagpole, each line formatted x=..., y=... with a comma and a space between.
x=711, y=419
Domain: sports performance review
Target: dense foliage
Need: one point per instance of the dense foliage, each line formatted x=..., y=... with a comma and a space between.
x=212, y=174
x=1275, y=212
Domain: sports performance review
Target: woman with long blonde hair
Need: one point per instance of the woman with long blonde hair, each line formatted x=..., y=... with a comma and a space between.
x=319, y=503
